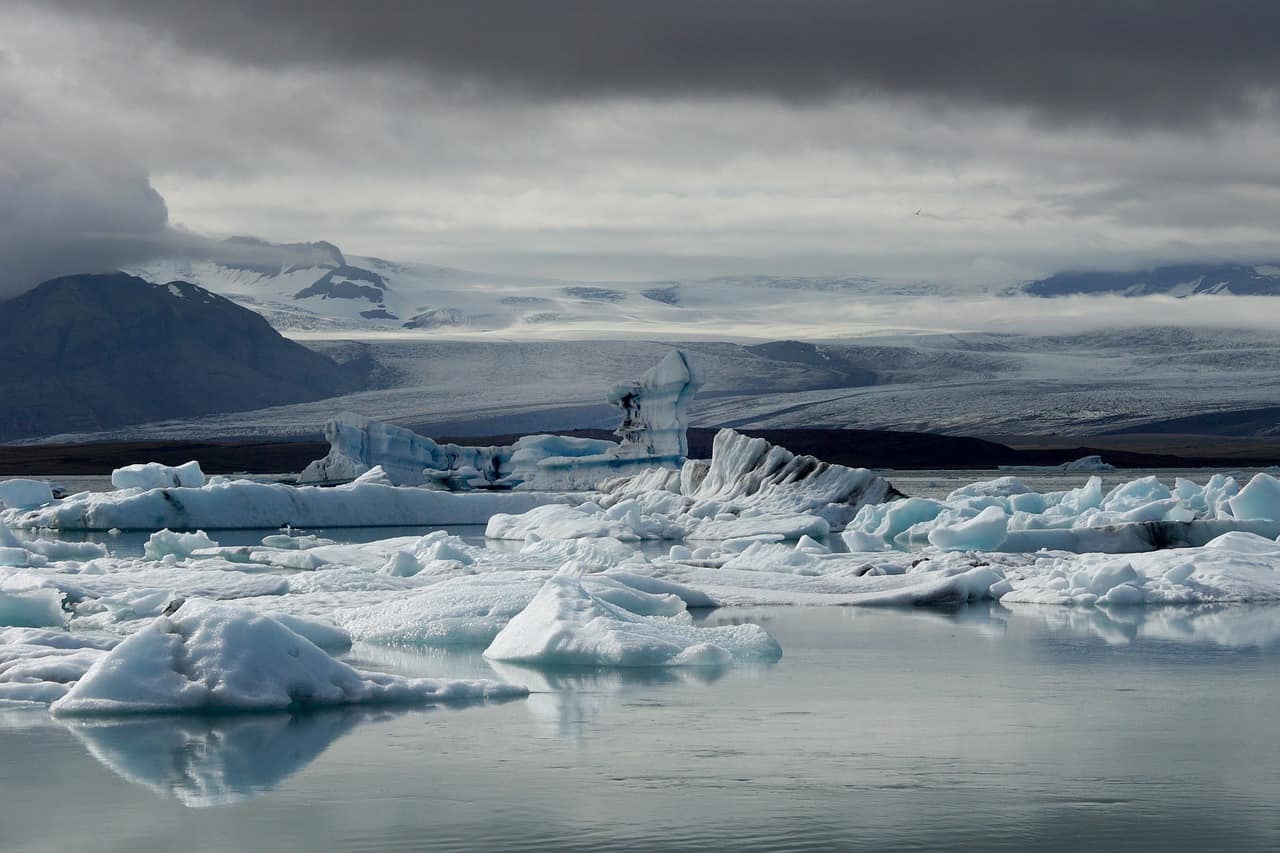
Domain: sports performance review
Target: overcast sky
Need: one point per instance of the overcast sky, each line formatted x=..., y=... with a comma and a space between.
x=602, y=139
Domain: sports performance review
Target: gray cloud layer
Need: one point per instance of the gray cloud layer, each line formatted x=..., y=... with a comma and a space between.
x=646, y=139
x=1113, y=61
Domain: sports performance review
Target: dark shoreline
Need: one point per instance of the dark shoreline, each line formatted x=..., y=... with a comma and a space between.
x=859, y=448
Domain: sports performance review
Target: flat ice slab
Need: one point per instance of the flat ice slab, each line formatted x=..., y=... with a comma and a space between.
x=240, y=504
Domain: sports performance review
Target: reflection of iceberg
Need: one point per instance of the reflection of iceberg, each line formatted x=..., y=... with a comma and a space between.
x=209, y=761
x=565, y=699
x=1223, y=626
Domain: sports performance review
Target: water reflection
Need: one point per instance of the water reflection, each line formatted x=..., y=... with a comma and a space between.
x=210, y=761
x=1229, y=626
x=1224, y=626
x=566, y=700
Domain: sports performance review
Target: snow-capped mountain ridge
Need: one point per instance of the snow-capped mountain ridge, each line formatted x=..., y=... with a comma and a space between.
x=1179, y=280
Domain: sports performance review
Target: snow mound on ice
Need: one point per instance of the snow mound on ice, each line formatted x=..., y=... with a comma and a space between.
x=566, y=624
x=206, y=657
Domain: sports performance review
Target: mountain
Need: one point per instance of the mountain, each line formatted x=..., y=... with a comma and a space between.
x=1179, y=280
x=91, y=352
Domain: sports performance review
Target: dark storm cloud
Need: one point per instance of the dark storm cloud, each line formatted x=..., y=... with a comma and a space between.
x=1112, y=61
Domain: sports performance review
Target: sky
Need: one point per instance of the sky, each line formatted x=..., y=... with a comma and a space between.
x=595, y=139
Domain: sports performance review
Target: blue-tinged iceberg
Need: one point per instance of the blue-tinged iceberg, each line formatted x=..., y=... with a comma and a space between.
x=654, y=423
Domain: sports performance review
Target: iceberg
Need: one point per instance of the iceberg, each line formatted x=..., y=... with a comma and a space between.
x=153, y=475
x=241, y=504
x=1006, y=515
x=653, y=432
x=208, y=657
x=24, y=494
x=750, y=488
x=565, y=624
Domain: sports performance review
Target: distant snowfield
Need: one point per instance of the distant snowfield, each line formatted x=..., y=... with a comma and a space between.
x=472, y=353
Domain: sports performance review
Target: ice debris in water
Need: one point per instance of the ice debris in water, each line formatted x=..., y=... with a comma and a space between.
x=206, y=657
x=566, y=624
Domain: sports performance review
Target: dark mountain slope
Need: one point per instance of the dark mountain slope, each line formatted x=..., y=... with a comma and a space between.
x=93, y=352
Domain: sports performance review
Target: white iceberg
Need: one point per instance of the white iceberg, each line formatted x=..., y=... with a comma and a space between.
x=238, y=504
x=1005, y=515
x=750, y=488
x=24, y=493
x=153, y=475
x=207, y=657
x=567, y=625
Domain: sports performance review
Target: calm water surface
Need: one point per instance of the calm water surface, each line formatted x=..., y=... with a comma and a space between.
x=983, y=729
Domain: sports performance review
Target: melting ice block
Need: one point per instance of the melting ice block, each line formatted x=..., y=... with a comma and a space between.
x=207, y=657
x=566, y=624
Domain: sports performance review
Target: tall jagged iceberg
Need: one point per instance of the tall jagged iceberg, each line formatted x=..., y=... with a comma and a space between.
x=654, y=423
x=655, y=410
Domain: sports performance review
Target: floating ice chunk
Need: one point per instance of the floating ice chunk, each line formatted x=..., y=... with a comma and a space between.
x=775, y=557
x=180, y=545
x=1259, y=499
x=999, y=487
x=566, y=624
x=984, y=532
x=24, y=494
x=209, y=657
x=299, y=543
x=240, y=504
x=1087, y=463
x=153, y=475
x=40, y=607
